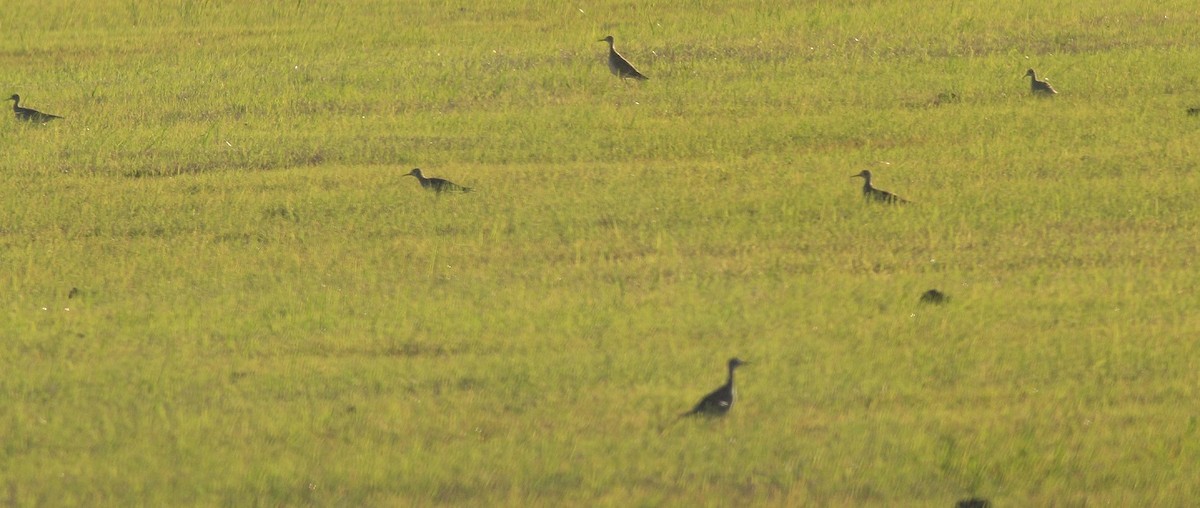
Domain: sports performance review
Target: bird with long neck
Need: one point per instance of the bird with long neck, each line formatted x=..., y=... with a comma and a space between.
x=437, y=185
x=29, y=115
x=721, y=400
x=717, y=403
x=870, y=192
x=1037, y=86
x=619, y=66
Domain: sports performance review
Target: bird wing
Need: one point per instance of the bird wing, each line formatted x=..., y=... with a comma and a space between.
x=710, y=402
x=622, y=67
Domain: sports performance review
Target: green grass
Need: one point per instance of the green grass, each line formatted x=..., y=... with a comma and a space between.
x=268, y=313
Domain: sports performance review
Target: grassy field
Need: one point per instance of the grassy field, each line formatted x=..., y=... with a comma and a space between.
x=221, y=289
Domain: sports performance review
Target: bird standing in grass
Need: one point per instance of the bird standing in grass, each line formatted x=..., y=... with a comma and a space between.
x=29, y=115
x=720, y=400
x=437, y=185
x=872, y=193
x=975, y=502
x=1039, y=87
x=619, y=66
x=934, y=296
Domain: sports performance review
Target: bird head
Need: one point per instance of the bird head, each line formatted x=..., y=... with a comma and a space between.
x=866, y=173
x=14, y=97
x=1030, y=73
x=607, y=38
x=415, y=172
x=734, y=363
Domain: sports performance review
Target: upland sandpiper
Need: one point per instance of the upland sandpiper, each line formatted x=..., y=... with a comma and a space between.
x=720, y=400
x=1039, y=87
x=437, y=185
x=29, y=115
x=619, y=66
x=934, y=296
x=870, y=192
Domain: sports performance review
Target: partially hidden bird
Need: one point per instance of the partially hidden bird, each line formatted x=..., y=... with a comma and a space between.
x=1039, y=87
x=934, y=296
x=29, y=115
x=619, y=66
x=975, y=502
x=437, y=185
x=870, y=192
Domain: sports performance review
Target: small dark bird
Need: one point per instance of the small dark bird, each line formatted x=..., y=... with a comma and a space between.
x=1039, y=87
x=1193, y=111
x=73, y=293
x=880, y=195
x=437, y=185
x=946, y=98
x=619, y=66
x=934, y=296
x=29, y=115
x=975, y=502
x=720, y=400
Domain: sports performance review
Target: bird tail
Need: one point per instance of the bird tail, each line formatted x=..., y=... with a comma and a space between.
x=669, y=424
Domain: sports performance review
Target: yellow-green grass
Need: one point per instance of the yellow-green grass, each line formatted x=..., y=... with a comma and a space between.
x=221, y=290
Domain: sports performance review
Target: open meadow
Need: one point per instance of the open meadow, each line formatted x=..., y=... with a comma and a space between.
x=222, y=290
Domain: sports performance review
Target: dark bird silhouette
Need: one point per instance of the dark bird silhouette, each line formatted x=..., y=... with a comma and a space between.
x=720, y=400
x=1193, y=111
x=934, y=296
x=870, y=192
x=437, y=185
x=29, y=115
x=946, y=98
x=1039, y=87
x=619, y=66
x=975, y=502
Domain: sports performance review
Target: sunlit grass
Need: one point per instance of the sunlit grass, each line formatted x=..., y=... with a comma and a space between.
x=222, y=290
